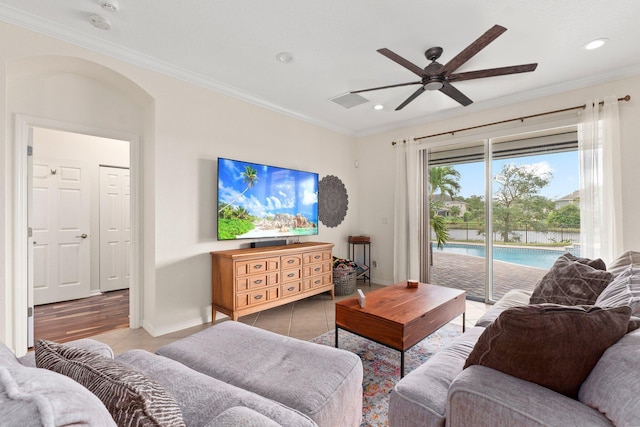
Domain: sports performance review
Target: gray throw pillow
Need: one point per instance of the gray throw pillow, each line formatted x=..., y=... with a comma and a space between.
x=627, y=259
x=623, y=290
x=571, y=281
x=132, y=398
x=550, y=345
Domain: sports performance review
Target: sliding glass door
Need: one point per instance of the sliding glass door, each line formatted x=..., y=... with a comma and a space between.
x=532, y=217
x=457, y=217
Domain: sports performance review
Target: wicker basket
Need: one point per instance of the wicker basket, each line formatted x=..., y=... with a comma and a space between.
x=344, y=279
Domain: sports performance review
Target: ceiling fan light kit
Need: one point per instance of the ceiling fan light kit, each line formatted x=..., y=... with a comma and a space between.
x=436, y=76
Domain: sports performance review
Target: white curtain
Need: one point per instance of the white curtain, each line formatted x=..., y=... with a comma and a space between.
x=600, y=180
x=406, y=254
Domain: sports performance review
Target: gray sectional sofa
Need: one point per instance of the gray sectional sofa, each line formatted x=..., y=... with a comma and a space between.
x=443, y=392
x=239, y=375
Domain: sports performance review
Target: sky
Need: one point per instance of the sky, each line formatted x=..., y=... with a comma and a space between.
x=562, y=166
x=277, y=190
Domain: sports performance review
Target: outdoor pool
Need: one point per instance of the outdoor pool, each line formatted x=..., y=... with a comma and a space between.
x=532, y=257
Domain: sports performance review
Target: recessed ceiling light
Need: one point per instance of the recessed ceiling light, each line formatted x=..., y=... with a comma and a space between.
x=109, y=5
x=378, y=107
x=285, y=57
x=100, y=22
x=594, y=44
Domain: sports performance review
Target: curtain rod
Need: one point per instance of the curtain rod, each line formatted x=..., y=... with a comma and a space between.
x=452, y=132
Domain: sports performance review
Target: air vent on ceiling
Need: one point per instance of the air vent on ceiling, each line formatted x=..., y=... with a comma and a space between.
x=349, y=100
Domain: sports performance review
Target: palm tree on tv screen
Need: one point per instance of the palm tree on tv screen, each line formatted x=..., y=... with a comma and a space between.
x=249, y=177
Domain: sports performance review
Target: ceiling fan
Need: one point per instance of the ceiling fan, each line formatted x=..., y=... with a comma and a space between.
x=436, y=76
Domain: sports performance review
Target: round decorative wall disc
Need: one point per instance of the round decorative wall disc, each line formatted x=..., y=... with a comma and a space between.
x=333, y=201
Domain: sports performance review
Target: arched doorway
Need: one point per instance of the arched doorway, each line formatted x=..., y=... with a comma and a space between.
x=77, y=96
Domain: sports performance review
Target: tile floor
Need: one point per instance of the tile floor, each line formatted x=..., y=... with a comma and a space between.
x=303, y=319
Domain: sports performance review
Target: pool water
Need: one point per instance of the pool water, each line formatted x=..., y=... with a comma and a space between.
x=532, y=257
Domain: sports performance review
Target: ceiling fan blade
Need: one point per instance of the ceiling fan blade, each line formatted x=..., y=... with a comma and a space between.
x=411, y=98
x=491, y=72
x=472, y=49
x=386, y=87
x=400, y=60
x=455, y=94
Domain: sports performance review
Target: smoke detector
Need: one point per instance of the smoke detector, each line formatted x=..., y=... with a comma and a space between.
x=110, y=6
x=100, y=22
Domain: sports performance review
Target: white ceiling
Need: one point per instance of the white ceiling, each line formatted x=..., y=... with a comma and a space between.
x=231, y=45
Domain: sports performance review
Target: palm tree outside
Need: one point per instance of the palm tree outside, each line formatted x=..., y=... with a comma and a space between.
x=443, y=180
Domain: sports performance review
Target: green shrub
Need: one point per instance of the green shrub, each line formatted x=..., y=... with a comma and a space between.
x=230, y=228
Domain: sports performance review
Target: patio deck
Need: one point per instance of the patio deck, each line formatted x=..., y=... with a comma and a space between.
x=467, y=272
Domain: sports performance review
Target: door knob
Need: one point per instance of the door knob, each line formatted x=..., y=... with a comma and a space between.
x=83, y=235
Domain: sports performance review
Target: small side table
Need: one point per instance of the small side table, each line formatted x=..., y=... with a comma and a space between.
x=365, y=242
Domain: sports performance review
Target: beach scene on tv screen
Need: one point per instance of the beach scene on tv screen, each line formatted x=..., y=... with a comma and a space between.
x=256, y=201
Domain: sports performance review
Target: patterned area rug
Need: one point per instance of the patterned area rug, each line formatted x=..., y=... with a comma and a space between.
x=382, y=366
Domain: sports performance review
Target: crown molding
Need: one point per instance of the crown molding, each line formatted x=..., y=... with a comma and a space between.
x=65, y=34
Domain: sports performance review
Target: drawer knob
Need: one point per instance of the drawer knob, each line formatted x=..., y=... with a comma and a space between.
x=257, y=282
x=317, y=269
x=317, y=282
x=258, y=297
x=257, y=266
x=291, y=261
x=291, y=274
x=292, y=288
x=317, y=257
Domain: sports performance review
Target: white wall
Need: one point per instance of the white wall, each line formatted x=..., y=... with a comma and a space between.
x=183, y=129
x=94, y=151
x=377, y=161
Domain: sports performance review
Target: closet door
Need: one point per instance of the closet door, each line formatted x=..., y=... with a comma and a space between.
x=115, y=229
x=61, y=241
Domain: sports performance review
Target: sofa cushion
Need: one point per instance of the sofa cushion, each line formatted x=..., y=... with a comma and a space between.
x=484, y=397
x=627, y=259
x=131, y=397
x=513, y=298
x=37, y=397
x=242, y=416
x=420, y=398
x=623, y=290
x=322, y=382
x=203, y=398
x=571, y=281
x=613, y=386
x=550, y=345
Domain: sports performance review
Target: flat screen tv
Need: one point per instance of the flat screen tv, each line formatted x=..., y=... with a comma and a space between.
x=259, y=201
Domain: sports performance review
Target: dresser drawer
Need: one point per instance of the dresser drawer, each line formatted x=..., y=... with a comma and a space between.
x=244, y=268
x=291, y=261
x=257, y=297
x=291, y=275
x=256, y=281
x=316, y=269
x=291, y=288
x=318, y=256
x=315, y=281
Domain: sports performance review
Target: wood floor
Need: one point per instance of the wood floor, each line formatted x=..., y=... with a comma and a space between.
x=71, y=320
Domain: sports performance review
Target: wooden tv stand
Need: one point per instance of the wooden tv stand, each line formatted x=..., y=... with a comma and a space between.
x=246, y=281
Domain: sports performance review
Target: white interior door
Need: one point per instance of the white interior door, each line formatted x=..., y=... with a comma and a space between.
x=115, y=229
x=60, y=222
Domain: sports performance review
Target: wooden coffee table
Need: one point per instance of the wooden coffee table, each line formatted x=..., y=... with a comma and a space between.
x=400, y=317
